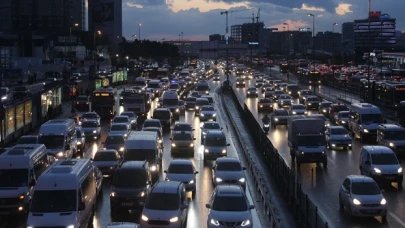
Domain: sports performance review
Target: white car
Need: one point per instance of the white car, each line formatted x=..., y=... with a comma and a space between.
x=182, y=170
x=298, y=109
x=338, y=136
x=228, y=170
x=229, y=207
x=120, y=129
x=362, y=197
x=284, y=100
x=207, y=126
x=208, y=112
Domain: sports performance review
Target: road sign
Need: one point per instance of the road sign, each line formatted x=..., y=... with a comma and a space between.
x=375, y=59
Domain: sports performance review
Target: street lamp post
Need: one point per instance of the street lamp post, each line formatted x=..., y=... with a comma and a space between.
x=98, y=32
x=72, y=109
x=313, y=53
x=139, y=31
x=333, y=54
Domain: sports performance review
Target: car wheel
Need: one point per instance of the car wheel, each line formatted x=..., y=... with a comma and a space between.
x=384, y=218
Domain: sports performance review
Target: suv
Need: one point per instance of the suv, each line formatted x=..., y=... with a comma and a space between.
x=182, y=170
x=215, y=145
x=130, y=186
x=172, y=212
x=392, y=136
x=182, y=142
x=381, y=164
x=240, y=82
x=229, y=207
x=164, y=116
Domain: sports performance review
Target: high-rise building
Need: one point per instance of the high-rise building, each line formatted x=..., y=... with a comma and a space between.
x=290, y=42
x=106, y=16
x=328, y=42
x=78, y=14
x=5, y=15
x=348, y=36
x=217, y=37
x=375, y=33
x=250, y=32
x=236, y=34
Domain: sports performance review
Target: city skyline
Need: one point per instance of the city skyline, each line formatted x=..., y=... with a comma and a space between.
x=197, y=19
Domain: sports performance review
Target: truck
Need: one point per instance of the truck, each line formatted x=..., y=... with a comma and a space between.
x=137, y=103
x=306, y=139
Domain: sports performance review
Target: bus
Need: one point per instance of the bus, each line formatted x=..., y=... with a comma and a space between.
x=390, y=93
x=104, y=101
x=137, y=103
x=283, y=67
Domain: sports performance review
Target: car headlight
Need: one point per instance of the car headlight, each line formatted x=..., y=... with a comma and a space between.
x=191, y=182
x=192, y=144
x=173, y=145
x=125, y=135
x=365, y=130
x=242, y=180
x=356, y=201
x=206, y=151
x=177, y=110
x=59, y=154
x=224, y=151
x=383, y=201
x=214, y=115
x=294, y=113
x=204, y=133
x=305, y=112
x=309, y=104
x=174, y=219
x=153, y=168
x=261, y=106
x=70, y=226
x=79, y=143
x=201, y=114
x=323, y=110
x=113, y=194
x=218, y=179
x=245, y=223
x=196, y=107
x=160, y=141
x=144, y=218
x=376, y=170
x=276, y=119
x=121, y=149
x=94, y=132
x=400, y=170
x=214, y=222
x=343, y=121
x=391, y=144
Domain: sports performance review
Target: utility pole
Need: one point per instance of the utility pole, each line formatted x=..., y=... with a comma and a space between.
x=369, y=52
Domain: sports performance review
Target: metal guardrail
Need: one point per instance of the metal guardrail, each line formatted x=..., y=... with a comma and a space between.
x=303, y=209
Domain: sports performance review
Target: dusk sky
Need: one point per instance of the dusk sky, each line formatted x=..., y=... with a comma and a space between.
x=197, y=19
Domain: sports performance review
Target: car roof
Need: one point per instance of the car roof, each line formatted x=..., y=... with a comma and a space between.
x=228, y=159
x=161, y=109
x=378, y=149
x=167, y=187
x=337, y=127
x=106, y=151
x=360, y=178
x=183, y=123
x=133, y=165
x=151, y=120
x=181, y=162
x=229, y=190
x=122, y=225
x=392, y=127
x=124, y=124
x=215, y=133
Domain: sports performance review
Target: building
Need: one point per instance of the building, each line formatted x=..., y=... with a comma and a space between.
x=290, y=42
x=375, y=33
x=348, y=36
x=328, y=43
x=236, y=34
x=78, y=14
x=106, y=16
x=400, y=39
x=250, y=32
x=5, y=15
x=217, y=37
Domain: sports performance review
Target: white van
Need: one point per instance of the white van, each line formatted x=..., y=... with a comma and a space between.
x=364, y=120
x=59, y=137
x=20, y=167
x=65, y=195
x=170, y=100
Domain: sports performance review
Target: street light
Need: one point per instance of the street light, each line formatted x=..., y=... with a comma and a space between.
x=98, y=32
x=313, y=32
x=333, y=54
x=333, y=27
x=139, y=31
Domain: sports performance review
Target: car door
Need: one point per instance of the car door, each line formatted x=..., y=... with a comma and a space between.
x=346, y=192
x=184, y=202
x=367, y=167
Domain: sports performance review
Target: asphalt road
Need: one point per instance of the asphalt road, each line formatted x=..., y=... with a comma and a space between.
x=197, y=214
x=322, y=185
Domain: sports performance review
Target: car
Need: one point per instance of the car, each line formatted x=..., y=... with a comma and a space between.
x=209, y=98
x=92, y=129
x=183, y=127
x=215, y=145
x=82, y=103
x=122, y=120
x=335, y=108
x=123, y=225
x=362, y=197
x=228, y=170
x=269, y=93
x=107, y=161
x=200, y=102
x=279, y=117
x=153, y=123
x=182, y=142
x=195, y=94
x=81, y=140
x=207, y=126
x=284, y=100
x=190, y=102
x=258, y=83
x=115, y=142
x=89, y=116
x=207, y=112
x=165, y=116
x=303, y=95
x=324, y=108
x=297, y=109
x=277, y=94
x=252, y=92
x=267, y=88
x=265, y=104
x=216, y=77
x=283, y=87
x=393, y=136
x=182, y=170
x=120, y=129
x=240, y=82
x=312, y=102
x=173, y=211
x=342, y=118
x=130, y=186
x=338, y=137
x=28, y=139
x=133, y=119
x=182, y=107
x=229, y=207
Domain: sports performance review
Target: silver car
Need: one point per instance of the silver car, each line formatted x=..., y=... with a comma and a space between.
x=182, y=170
x=207, y=126
x=120, y=129
x=106, y=161
x=362, y=197
x=182, y=142
x=338, y=137
x=132, y=118
x=207, y=112
x=228, y=171
x=122, y=120
x=229, y=207
x=298, y=109
x=284, y=100
x=92, y=129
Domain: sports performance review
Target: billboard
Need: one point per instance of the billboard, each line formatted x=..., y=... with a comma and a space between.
x=103, y=12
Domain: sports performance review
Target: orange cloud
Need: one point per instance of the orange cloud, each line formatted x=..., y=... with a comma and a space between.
x=343, y=8
x=309, y=8
x=202, y=5
x=293, y=25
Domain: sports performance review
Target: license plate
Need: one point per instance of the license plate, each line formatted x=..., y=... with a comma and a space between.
x=128, y=204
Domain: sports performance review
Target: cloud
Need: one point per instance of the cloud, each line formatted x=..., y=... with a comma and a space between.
x=343, y=8
x=130, y=4
x=309, y=8
x=202, y=5
x=292, y=25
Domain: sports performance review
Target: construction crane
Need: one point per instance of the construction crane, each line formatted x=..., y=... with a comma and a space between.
x=257, y=15
x=226, y=14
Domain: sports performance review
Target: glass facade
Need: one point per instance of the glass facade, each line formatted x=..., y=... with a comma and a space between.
x=51, y=98
x=28, y=112
x=19, y=116
x=10, y=121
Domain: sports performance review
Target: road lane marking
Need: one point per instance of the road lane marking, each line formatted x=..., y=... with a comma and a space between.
x=397, y=219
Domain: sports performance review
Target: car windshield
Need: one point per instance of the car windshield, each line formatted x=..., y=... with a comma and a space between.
x=207, y=108
x=180, y=168
x=105, y=156
x=128, y=114
x=298, y=107
x=13, y=178
x=129, y=179
x=311, y=140
x=229, y=203
x=182, y=127
x=89, y=116
x=114, y=140
x=344, y=114
x=312, y=99
x=281, y=113
x=191, y=99
x=306, y=92
x=365, y=188
x=265, y=101
x=384, y=159
x=78, y=134
x=211, y=126
x=119, y=127
x=52, y=141
x=229, y=166
x=394, y=135
x=162, y=201
x=371, y=118
x=54, y=201
x=161, y=115
x=89, y=124
x=122, y=119
x=252, y=89
x=174, y=86
x=181, y=136
x=27, y=140
x=214, y=141
x=151, y=124
x=339, y=131
x=81, y=98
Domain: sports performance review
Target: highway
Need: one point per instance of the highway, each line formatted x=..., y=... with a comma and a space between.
x=197, y=214
x=322, y=185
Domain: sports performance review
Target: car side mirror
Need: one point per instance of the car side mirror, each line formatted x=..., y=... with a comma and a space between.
x=82, y=206
x=196, y=172
x=251, y=207
x=32, y=183
x=165, y=171
x=194, y=139
x=207, y=205
x=228, y=144
x=367, y=163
